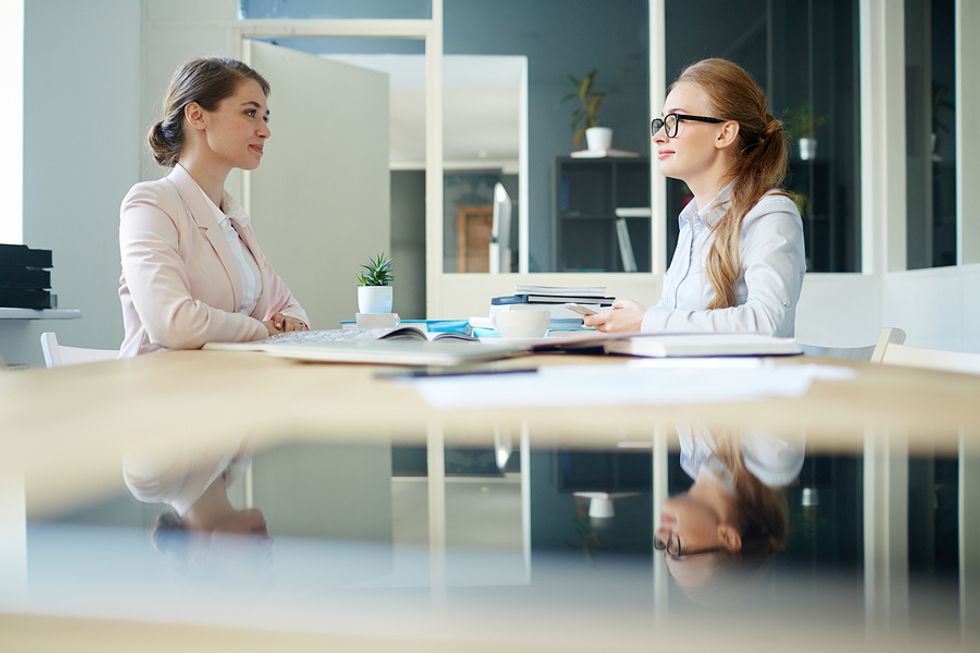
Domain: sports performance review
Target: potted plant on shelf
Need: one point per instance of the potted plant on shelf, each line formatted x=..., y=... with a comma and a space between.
x=374, y=294
x=801, y=125
x=585, y=118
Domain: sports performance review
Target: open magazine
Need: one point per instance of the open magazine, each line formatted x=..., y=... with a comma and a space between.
x=410, y=332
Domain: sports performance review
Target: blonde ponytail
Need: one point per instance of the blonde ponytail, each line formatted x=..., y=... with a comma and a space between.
x=761, y=513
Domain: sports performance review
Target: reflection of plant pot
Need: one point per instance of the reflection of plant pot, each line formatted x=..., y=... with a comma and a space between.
x=808, y=149
x=599, y=138
x=374, y=299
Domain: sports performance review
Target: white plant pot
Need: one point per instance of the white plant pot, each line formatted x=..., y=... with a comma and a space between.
x=599, y=138
x=374, y=299
x=808, y=149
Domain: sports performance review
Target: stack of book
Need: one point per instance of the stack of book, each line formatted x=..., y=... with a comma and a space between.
x=25, y=277
x=553, y=298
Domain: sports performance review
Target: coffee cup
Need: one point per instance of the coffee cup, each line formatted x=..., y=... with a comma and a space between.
x=522, y=324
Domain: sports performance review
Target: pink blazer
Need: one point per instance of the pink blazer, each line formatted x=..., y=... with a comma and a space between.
x=180, y=283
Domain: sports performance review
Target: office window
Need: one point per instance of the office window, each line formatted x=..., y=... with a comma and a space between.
x=337, y=9
x=804, y=55
x=556, y=38
x=930, y=120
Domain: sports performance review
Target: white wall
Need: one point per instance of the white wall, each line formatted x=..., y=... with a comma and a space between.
x=95, y=73
x=175, y=31
x=12, y=118
x=937, y=308
x=81, y=122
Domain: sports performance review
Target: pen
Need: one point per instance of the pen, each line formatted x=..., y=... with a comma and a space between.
x=434, y=374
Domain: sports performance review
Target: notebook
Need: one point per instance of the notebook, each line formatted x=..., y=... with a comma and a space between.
x=668, y=345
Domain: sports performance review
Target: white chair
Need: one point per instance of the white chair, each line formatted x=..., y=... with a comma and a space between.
x=898, y=353
x=56, y=355
x=888, y=337
x=868, y=353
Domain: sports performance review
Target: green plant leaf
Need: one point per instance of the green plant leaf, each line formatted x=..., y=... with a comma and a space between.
x=586, y=115
x=377, y=271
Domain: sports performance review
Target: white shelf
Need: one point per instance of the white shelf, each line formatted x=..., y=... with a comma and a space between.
x=44, y=314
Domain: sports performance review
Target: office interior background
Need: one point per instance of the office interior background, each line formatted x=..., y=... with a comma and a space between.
x=392, y=134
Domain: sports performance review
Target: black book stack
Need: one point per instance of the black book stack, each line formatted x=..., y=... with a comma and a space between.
x=25, y=277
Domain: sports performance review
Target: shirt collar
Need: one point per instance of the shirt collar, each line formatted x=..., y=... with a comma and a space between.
x=713, y=210
x=232, y=207
x=716, y=470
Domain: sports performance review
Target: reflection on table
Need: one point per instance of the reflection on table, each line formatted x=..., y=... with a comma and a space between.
x=519, y=540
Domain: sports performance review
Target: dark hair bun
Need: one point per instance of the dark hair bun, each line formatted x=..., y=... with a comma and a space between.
x=164, y=144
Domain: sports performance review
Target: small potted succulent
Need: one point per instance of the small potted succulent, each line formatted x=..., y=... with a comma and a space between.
x=585, y=118
x=374, y=291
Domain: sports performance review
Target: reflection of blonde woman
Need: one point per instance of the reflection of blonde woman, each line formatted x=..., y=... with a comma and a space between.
x=735, y=511
x=739, y=260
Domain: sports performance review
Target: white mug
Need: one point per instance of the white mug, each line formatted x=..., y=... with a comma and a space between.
x=522, y=324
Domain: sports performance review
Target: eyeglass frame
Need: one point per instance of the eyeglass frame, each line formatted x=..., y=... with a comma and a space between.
x=654, y=127
x=679, y=551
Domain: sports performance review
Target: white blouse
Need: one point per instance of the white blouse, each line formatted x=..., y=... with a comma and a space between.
x=773, y=264
x=247, y=268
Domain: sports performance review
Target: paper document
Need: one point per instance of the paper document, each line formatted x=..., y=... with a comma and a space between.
x=609, y=385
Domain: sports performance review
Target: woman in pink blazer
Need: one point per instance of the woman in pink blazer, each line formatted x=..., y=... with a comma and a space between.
x=192, y=271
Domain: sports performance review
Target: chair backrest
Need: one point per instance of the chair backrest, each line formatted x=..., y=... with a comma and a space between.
x=56, y=355
x=888, y=337
x=867, y=353
x=936, y=359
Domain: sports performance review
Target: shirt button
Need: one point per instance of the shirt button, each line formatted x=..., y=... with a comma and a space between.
x=785, y=303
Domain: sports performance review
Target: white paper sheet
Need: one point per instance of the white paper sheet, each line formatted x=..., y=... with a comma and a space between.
x=724, y=381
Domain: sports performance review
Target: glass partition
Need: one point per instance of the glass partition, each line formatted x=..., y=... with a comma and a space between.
x=804, y=55
x=558, y=40
x=930, y=116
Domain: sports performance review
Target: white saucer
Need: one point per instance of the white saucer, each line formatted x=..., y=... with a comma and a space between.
x=377, y=320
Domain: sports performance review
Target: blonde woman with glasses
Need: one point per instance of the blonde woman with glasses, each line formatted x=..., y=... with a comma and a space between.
x=739, y=261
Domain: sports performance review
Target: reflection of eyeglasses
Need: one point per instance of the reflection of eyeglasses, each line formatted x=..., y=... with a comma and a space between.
x=674, y=549
x=672, y=121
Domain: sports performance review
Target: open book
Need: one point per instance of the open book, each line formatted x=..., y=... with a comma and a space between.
x=340, y=336
x=403, y=345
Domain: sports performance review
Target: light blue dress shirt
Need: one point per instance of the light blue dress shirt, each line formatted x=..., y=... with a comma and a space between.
x=772, y=259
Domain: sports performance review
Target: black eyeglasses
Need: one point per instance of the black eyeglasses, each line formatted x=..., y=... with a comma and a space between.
x=674, y=549
x=672, y=121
